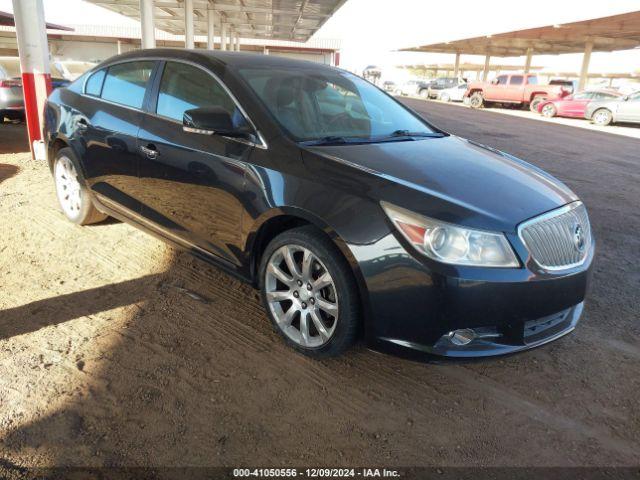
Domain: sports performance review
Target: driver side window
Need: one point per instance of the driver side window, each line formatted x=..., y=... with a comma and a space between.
x=184, y=87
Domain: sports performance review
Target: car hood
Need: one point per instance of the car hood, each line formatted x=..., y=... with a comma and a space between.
x=451, y=179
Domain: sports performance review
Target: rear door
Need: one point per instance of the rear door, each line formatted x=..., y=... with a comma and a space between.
x=516, y=86
x=192, y=184
x=109, y=117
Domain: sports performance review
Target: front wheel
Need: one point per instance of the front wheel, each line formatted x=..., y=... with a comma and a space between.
x=73, y=195
x=309, y=292
x=476, y=100
x=602, y=117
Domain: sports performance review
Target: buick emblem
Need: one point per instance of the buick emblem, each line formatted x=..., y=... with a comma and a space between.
x=578, y=238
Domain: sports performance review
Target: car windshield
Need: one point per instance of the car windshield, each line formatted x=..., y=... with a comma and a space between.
x=315, y=105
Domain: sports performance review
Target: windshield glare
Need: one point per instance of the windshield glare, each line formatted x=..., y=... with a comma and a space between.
x=313, y=104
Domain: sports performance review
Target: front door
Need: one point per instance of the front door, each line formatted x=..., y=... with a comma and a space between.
x=495, y=90
x=629, y=110
x=192, y=184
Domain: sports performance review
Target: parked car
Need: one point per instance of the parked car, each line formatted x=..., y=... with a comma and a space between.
x=574, y=105
x=455, y=94
x=11, y=96
x=72, y=69
x=569, y=86
x=389, y=86
x=442, y=84
x=414, y=88
x=622, y=109
x=348, y=211
x=517, y=89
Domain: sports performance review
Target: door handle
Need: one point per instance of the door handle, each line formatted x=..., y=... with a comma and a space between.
x=150, y=151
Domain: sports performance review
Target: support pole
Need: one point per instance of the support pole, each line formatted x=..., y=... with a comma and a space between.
x=527, y=62
x=211, y=29
x=584, y=71
x=487, y=64
x=147, y=24
x=223, y=37
x=456, y=67
x=237, y=42
x=119, y=47
x=188, y=24
x=31, y=33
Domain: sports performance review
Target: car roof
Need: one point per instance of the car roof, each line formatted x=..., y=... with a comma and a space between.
x=234, y=59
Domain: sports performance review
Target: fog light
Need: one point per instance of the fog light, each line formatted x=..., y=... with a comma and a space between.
x=462, y=337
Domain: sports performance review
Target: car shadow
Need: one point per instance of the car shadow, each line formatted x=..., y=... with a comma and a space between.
x=7, y=171
x=13, y=138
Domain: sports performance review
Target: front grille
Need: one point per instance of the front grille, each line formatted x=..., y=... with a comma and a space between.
x=559, y=239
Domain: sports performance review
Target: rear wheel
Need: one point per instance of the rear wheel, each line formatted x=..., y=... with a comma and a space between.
x=73, y=195
x=602, y=117
x=535, y=101
x=476, y=100
x=309, y=292
x=549, y=110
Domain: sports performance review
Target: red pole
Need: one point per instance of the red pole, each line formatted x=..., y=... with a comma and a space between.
x=31, y=32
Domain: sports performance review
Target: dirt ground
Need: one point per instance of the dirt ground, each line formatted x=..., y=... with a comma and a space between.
x=115, y=349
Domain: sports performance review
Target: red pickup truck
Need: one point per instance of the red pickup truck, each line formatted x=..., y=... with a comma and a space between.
x=516, y=88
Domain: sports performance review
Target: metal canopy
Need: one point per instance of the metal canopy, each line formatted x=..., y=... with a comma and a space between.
x=618, y=32
x=295, y=20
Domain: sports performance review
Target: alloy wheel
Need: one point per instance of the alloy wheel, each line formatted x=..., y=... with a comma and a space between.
x=549, y=110
x=302, y=296
x=68, y=187
x=602, y=117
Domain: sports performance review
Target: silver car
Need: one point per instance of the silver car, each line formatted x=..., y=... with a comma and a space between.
x=625, y=109
x=11, y=100
x=455, y=94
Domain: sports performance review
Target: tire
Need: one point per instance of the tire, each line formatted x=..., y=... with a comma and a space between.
x=445, y=97
x=602, y=117
x=424, y=93
x=476, y=100
x=549, y=110
x=73, y=196
x=287, y=298
x=535, y=101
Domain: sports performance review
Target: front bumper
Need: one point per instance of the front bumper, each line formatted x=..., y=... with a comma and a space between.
x=415, y=303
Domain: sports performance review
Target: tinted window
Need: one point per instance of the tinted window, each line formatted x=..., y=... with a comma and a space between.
x=315, y=103
x=125, y=83
x=184, y=87
x=94, y=84
x=532, y=80
x=463, y=86
x=502, y=80
x=517, y=80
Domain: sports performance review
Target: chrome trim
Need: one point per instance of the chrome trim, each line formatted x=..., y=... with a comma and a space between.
x=552, y=214
x=199, y=131
x=262, y=145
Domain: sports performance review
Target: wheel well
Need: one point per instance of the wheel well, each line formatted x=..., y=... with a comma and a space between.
x=267, y=232
x=57, y=145
x=536, y=94
x=475, y=90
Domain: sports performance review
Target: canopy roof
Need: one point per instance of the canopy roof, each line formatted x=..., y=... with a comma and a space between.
x=7, y=20
x=618, y=32
x=295, y=20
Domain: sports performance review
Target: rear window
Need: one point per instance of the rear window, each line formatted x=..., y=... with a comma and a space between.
x=94, y=83
x=126, y=83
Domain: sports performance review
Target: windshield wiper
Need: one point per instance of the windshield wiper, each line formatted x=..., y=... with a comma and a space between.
x=332, y=140
x=408, y=133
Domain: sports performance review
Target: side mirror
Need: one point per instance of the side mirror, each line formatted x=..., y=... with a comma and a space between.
x=211, y=121
x=625, y=98
x=494, y=81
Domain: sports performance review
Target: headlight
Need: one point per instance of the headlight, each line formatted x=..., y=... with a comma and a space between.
x=452, y=244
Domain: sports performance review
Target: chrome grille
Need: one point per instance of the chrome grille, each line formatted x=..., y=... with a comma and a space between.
x=559, y=239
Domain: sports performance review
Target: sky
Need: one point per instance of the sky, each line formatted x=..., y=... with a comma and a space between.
x=370, y=30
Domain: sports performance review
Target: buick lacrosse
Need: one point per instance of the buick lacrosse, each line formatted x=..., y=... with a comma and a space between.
x=353, y=215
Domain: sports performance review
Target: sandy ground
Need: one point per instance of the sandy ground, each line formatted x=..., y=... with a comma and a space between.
x=115, y=349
